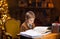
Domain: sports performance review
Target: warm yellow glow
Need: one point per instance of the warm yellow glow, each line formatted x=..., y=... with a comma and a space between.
x=30, y=1
x=4, y=9
x=3, y=5
x=50, y=5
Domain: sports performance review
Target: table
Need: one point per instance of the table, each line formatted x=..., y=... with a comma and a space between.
x=48, y=36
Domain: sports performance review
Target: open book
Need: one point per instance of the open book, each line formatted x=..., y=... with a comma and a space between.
x=36, y=32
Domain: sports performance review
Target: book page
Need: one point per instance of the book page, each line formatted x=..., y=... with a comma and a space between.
x=40, y=29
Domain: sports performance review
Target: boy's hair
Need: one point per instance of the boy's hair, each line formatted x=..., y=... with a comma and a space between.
x=29, y=15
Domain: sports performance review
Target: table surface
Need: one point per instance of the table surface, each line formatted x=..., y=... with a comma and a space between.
x=50, y=36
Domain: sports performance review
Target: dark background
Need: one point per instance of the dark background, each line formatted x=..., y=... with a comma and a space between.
x=44, y=16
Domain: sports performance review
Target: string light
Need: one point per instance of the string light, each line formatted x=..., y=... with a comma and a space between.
x=3, y=9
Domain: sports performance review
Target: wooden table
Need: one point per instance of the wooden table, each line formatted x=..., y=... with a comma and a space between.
x=49, y=36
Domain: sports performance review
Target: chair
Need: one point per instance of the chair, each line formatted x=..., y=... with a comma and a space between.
x=12, y=28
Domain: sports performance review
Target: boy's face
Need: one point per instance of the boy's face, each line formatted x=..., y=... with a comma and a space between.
x=31, y=20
